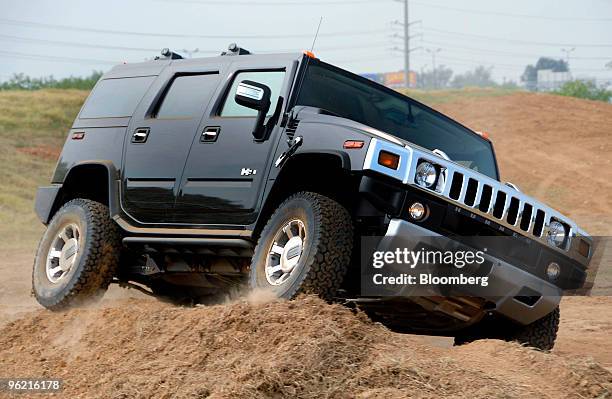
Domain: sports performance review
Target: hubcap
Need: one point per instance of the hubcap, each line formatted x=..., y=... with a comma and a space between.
x=63, y=252
x=285, y=252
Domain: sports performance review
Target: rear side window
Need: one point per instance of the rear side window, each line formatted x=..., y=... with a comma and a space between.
x=187, y=96
x=116, y=98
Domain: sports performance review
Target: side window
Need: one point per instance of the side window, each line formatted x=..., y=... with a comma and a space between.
x=272, y=79
x=187, y=96
x=116, y=98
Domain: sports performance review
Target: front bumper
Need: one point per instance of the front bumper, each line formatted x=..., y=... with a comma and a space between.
x=507, y=284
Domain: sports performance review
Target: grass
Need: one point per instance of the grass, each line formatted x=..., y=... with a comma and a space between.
x=433, y=97
x=48, y=113
x=33, y=127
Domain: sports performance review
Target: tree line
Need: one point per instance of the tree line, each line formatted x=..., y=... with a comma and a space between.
x=20, y=81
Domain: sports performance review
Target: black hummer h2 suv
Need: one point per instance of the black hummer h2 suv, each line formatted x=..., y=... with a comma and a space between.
x=193, y=176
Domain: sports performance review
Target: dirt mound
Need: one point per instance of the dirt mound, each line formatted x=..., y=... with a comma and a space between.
x=304, y=348
x=555, y=148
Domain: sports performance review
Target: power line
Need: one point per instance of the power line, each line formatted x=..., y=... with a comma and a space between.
x=268, y=3
x=511, y=41
x=74, y=44
x=215, y=52
x=352, y=2
x=512, y=15
x=451, y=46
x=448, y=47
x=183, y=35
x=342, y=48
x=41, y=57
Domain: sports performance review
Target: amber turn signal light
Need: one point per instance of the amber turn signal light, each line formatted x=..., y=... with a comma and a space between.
x=584, y=248
x=389, y=160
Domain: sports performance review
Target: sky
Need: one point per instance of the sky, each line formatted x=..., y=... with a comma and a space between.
x=75, y=37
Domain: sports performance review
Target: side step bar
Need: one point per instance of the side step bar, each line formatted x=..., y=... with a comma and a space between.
x=222, y=231
x=205, y=242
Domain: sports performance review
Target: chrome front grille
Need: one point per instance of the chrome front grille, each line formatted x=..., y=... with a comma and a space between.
x=480, y=194
x=505, y=205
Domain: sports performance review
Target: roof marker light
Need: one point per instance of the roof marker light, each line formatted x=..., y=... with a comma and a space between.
x=484, y=135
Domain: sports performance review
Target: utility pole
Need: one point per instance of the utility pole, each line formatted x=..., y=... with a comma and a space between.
x=190, y=53
x=567, y=54
x=406, y=46
x=433, y=63
x=420, y=83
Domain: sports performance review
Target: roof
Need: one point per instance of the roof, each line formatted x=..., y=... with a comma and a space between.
x=154, y=67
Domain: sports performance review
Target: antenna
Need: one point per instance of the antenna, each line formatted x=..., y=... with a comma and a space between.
x=316, y=34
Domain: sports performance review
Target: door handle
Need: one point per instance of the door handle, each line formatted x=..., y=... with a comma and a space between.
x=210, y=134
x=140, y=135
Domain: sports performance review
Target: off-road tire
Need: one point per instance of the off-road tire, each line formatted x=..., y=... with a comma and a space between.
x=327, y=247
x=541, y=334
x=99, y=250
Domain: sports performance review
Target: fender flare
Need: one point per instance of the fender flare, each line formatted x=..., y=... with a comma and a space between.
x=49, y=198
x=345, y=160
x=272, y=186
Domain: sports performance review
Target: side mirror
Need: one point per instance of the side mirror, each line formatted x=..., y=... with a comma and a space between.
x=255, y=96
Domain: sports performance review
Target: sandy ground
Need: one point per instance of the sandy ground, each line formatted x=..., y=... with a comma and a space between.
x=554, y=148
x=126, y=348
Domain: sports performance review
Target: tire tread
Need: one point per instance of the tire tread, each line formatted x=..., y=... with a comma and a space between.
x=332, y=248
x=101, y=262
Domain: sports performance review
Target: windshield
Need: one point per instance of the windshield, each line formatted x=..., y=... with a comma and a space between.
x=353, y=97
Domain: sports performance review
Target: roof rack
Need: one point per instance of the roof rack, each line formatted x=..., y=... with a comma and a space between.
x=233, y=49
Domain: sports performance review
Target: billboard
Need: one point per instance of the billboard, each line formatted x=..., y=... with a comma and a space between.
x=392, y=79
x=396, y=79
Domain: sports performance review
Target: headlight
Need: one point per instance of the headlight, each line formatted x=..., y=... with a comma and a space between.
x=426, y=175
x=556, y=234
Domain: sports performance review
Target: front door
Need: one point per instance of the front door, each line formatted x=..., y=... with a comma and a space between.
x=226, y=168
x=159, y=139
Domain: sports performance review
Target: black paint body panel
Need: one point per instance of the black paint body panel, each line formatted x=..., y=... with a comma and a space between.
x=45, y=198
x=175, y=181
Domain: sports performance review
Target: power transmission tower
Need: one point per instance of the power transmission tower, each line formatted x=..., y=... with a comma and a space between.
x=406, y=45
x=567, y=54
x=433, y=63
x=406, y=25
x=190, y=53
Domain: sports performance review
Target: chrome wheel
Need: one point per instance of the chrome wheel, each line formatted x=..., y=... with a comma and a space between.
x=63, y=253
x=285, y=252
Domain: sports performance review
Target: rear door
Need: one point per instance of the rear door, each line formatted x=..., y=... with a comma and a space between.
x=226, y=168
x=159, y=139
